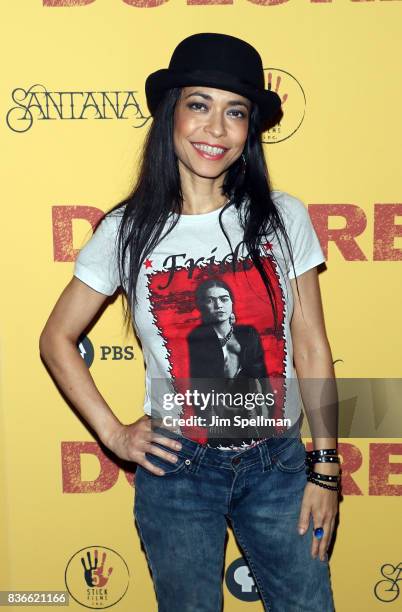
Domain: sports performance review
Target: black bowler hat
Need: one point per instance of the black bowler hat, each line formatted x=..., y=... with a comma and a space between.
x=215, y=60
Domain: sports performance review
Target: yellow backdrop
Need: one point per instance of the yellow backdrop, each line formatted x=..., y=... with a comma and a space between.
x=73, y=117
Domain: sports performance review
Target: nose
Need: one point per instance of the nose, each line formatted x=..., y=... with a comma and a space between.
x=216, y=125
x=218, y=302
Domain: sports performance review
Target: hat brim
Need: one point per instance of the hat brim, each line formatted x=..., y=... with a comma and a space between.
x=158, y=82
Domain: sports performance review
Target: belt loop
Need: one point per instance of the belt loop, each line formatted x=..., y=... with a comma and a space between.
x=265, y=458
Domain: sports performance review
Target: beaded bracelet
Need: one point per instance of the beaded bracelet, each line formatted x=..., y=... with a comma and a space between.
x=321, y=484
x=317, y=478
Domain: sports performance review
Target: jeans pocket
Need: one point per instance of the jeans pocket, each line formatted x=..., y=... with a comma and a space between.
x=167, y=466
x=292, y=458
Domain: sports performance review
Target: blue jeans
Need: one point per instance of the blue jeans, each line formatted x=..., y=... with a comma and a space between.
x=182, y=519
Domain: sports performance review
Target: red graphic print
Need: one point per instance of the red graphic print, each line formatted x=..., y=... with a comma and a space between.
x=176, y=315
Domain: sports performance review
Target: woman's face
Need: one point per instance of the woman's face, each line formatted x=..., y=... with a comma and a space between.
x=210, y=129
x=217, y=305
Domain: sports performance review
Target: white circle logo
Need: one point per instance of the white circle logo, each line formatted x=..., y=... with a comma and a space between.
x=97, y=577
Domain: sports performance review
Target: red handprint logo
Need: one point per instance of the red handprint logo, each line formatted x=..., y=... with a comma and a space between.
x=95, y=574
x=278, y=81
x=293, y=104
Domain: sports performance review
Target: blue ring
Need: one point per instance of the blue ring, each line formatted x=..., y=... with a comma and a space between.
x=319, y=532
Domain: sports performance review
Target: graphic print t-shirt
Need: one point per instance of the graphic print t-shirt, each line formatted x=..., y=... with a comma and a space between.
x=206, y=323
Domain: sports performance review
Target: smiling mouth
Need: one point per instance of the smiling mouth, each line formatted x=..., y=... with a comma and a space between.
x=209, y=151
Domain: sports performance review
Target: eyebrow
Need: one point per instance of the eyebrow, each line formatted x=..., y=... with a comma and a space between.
x=208, y=97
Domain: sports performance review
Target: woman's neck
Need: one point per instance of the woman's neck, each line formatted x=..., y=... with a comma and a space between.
x=200, y=194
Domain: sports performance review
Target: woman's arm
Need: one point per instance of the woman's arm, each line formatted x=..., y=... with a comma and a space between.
x=314, y=367
x=74, y=310
x=313, y=361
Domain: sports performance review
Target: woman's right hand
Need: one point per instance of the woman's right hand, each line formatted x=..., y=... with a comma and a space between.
x=75, y=309
x=131, y=442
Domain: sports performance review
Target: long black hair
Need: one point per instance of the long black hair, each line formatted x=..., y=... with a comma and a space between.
x=146, y=215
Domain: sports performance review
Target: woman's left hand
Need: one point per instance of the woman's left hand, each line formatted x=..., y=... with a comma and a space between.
x=322, y=504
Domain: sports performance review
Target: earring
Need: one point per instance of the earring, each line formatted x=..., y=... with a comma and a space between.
x=243, y=158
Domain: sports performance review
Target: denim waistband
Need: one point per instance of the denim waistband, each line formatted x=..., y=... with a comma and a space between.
x=262, y=451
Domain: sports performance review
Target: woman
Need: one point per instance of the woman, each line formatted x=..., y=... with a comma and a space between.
x=233, y=350
x=203, y=207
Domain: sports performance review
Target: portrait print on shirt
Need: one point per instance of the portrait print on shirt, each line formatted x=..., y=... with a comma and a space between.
x=217, y=325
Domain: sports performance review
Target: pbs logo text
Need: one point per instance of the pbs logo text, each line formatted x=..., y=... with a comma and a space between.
x=105, y=352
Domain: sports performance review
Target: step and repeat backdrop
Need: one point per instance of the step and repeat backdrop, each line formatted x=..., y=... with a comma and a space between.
x=73, y=118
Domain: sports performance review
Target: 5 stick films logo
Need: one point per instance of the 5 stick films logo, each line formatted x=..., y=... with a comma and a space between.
x=37, y=103
x=97, y=577
x=293, y=100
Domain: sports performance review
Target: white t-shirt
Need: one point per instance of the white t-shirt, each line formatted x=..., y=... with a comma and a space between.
x=181, y=338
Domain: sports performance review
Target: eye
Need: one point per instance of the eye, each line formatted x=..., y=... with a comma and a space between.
x=196, y=105
x=238, y=114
